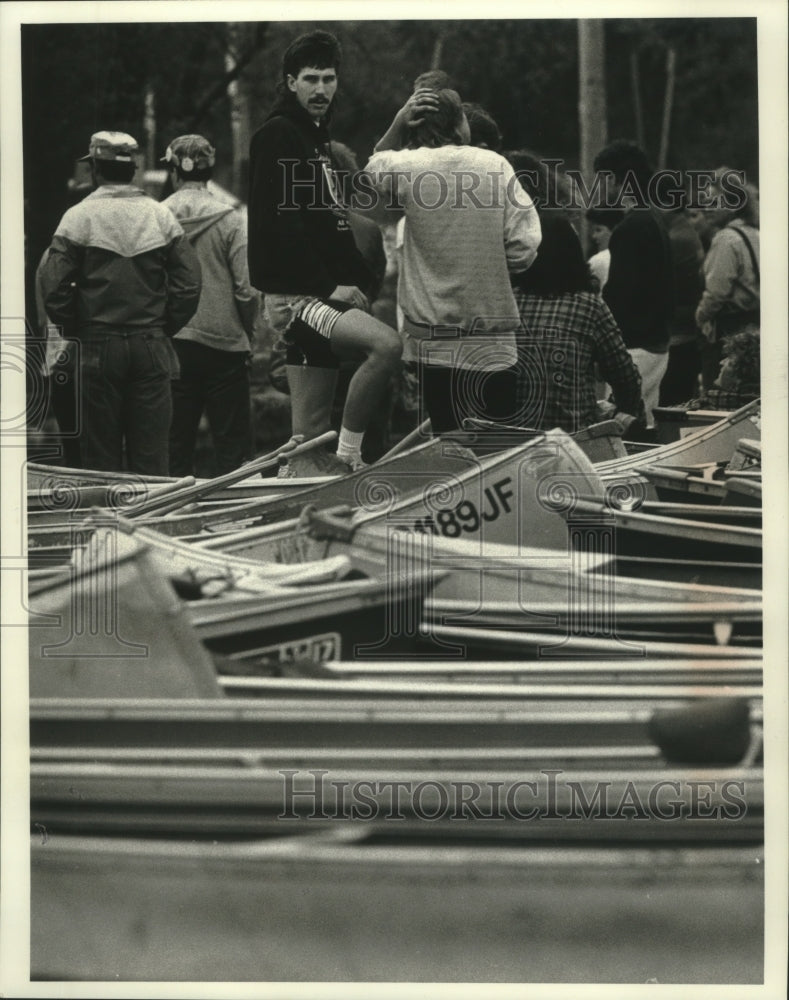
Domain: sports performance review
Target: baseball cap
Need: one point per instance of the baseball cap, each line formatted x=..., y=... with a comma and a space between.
x=190, y=152
x=112, y=146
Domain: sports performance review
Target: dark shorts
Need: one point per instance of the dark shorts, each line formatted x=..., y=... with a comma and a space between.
x=305, y=326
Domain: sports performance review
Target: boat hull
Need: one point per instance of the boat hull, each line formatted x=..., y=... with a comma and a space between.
x=270, y=913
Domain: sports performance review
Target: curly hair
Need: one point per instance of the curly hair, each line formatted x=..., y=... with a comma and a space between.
x=484, y=130
x=742, y=360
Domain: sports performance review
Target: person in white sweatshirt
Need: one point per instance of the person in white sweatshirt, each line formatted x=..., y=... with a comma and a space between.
x=469, y=226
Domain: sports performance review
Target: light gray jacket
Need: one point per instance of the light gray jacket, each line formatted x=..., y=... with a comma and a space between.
x=225, y=317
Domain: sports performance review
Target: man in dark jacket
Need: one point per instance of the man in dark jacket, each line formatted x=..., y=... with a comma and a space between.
x=121, y=280
x=302, y=255
x=640, y=286
x=681, y=381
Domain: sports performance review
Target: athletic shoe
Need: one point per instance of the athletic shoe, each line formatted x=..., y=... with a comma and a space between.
x=309, y=464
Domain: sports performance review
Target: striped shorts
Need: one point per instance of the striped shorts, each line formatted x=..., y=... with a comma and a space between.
x=283, y=310
x=305, y=325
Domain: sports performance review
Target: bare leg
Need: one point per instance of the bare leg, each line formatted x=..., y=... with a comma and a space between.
x=355, y=333
x=311, y=395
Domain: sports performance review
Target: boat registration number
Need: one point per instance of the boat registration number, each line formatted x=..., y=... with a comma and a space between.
x=466, y=517
x=313, y=648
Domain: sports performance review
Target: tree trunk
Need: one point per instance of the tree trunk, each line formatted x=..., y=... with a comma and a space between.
x=668, y=105
x=149, y=125
x=638, y=111
x=239, y=110
x=591, y=99
x=438, y=48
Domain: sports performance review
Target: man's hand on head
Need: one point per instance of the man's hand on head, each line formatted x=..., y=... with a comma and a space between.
x=420, y=103
x=412, y=113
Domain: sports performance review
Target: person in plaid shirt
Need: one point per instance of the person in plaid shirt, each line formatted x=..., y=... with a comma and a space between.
x=568, y=339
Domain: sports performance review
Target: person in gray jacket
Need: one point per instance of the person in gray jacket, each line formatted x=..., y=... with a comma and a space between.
x=214, y=348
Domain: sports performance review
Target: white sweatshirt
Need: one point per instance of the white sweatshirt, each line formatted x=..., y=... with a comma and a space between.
x=469, y=225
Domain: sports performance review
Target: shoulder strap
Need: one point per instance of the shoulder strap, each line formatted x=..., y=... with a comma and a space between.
x=748, y=244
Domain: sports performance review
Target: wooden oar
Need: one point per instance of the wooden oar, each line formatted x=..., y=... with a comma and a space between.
x=167, y=489
x=422, y=431
x=110, y=495
x=478, y=424
x=199, y=491
x=329, y=516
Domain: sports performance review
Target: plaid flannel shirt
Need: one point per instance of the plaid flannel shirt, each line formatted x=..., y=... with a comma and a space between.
x=563, y=338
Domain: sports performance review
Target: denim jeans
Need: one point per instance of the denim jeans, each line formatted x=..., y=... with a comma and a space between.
x=125, y=398
x=217, y=383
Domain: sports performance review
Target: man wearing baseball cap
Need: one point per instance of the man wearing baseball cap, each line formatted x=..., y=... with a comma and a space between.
x=214, y=347
x=121, y=279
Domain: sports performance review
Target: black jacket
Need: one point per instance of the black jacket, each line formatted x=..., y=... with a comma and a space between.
x=640, y=286
x=300, y=241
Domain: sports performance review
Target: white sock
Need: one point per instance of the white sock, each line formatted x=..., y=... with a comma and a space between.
x=349, y=445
